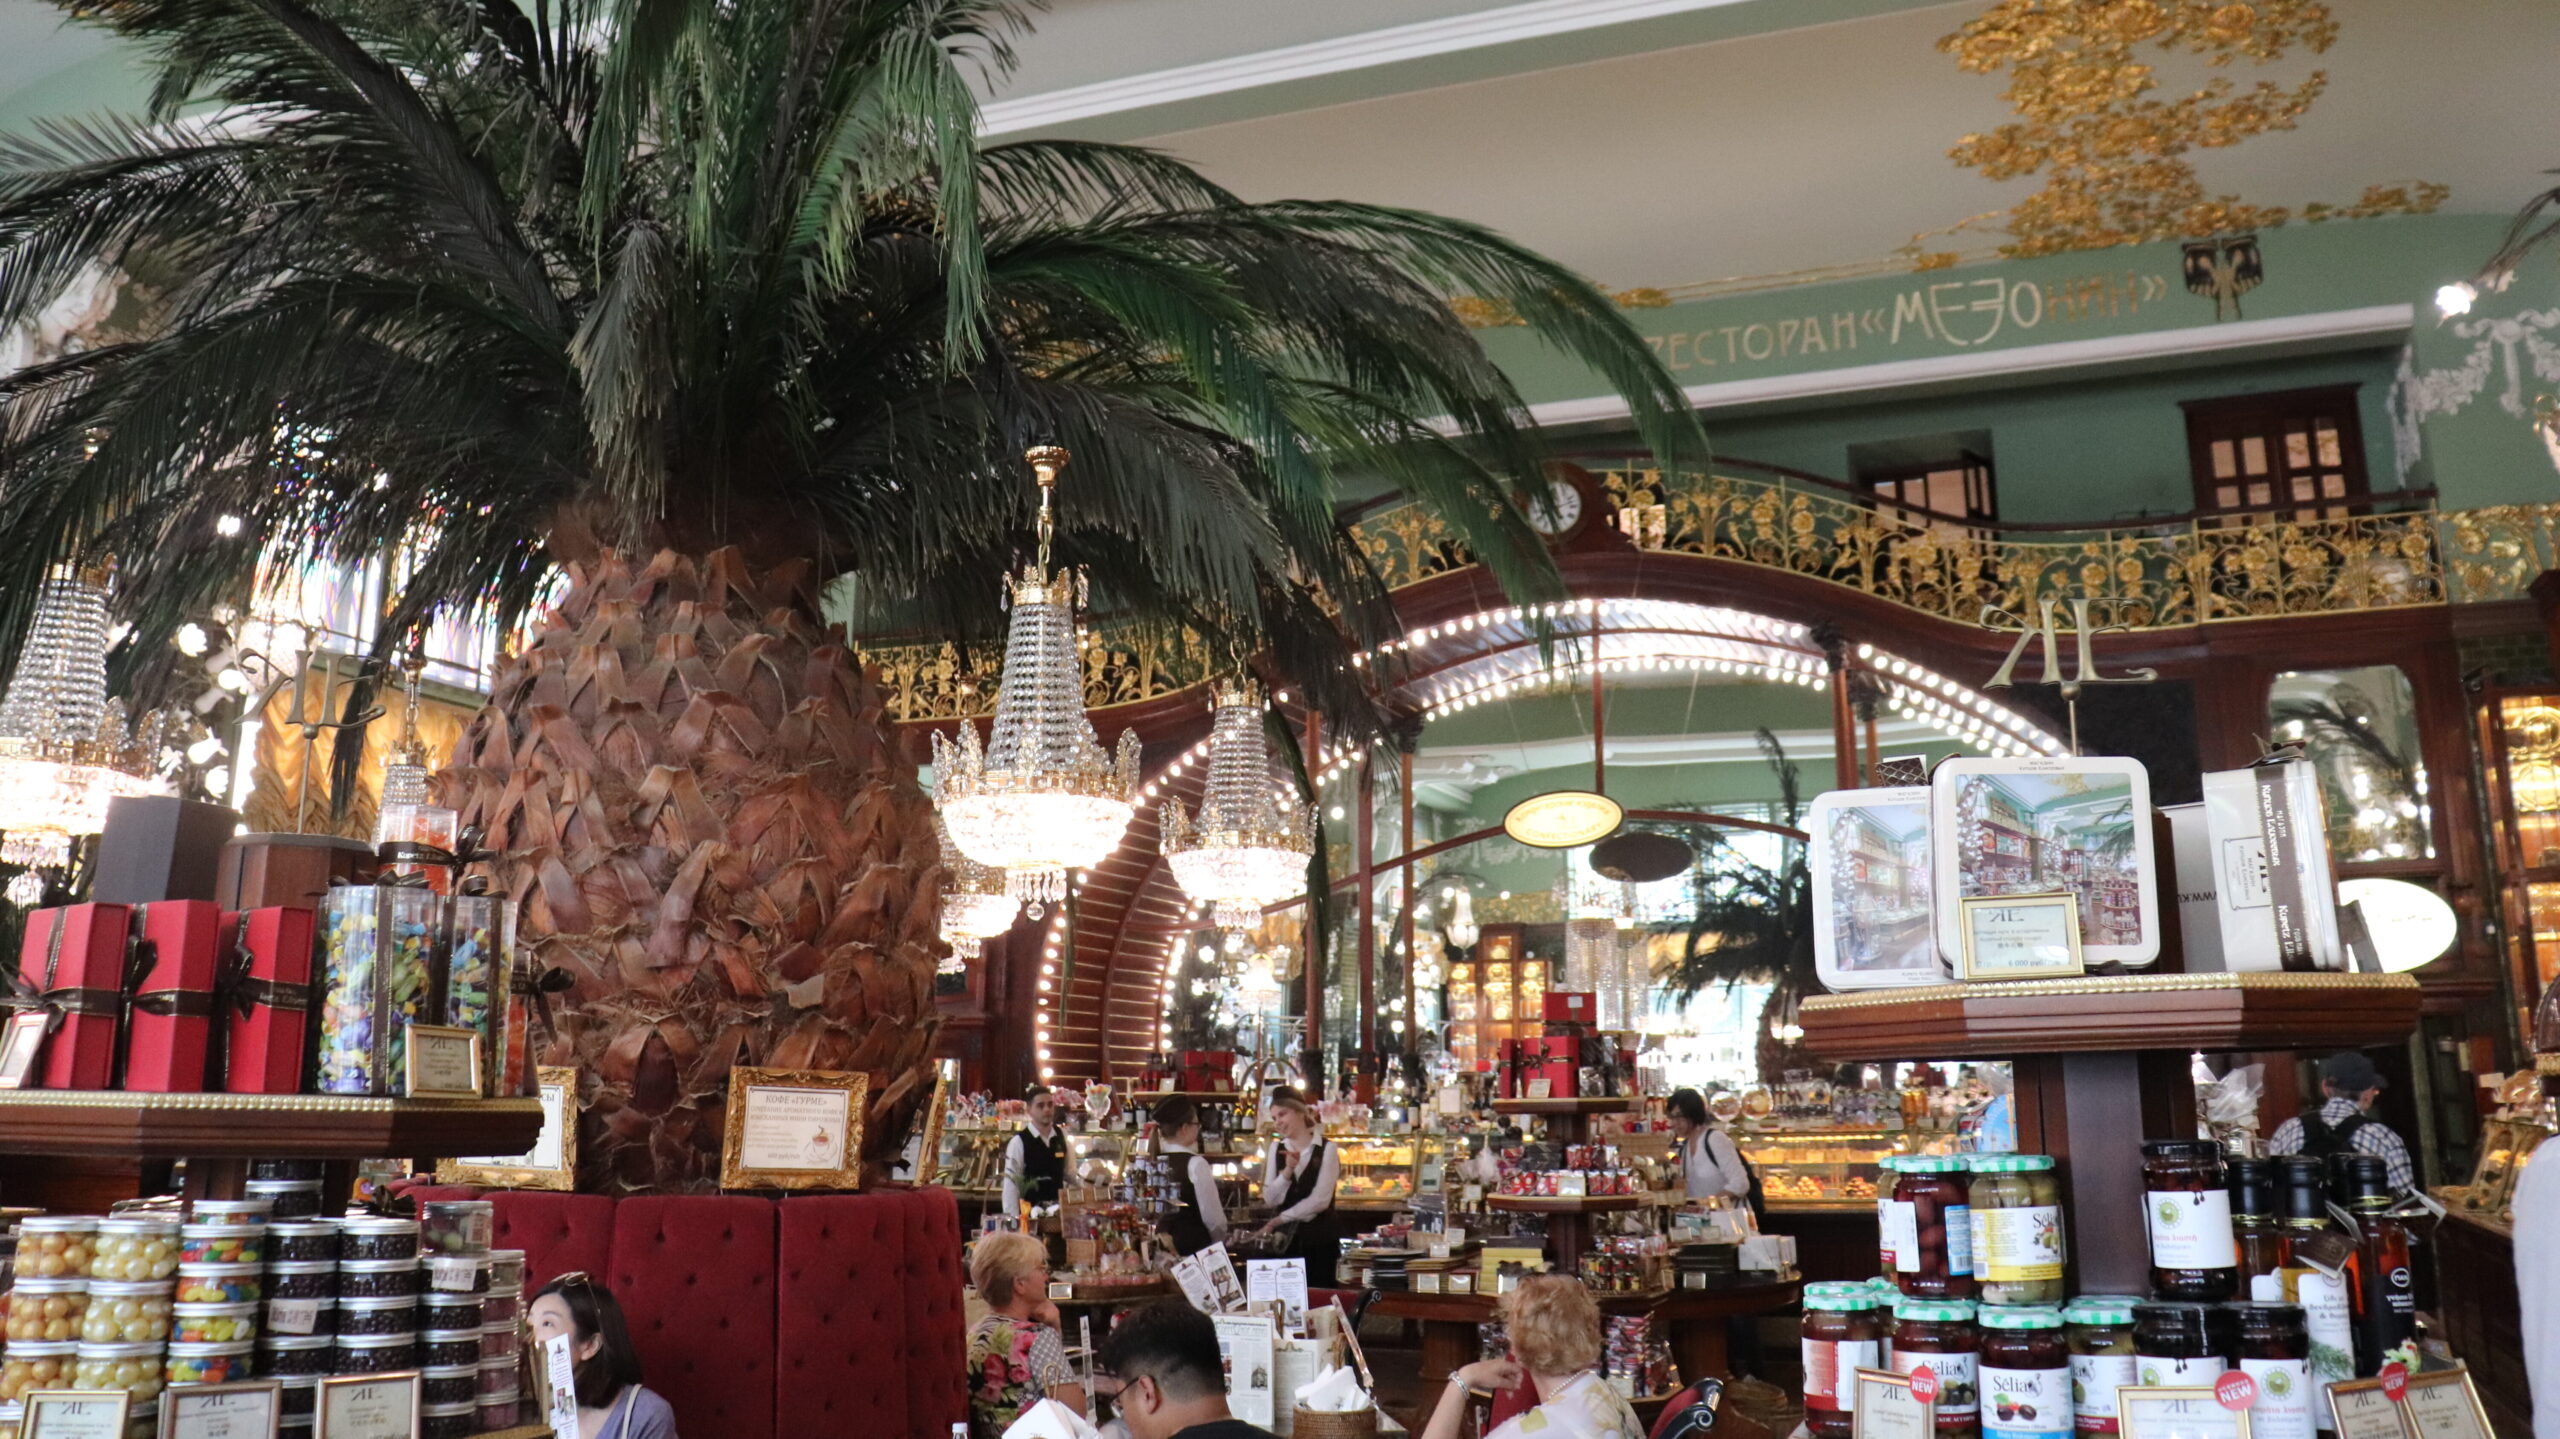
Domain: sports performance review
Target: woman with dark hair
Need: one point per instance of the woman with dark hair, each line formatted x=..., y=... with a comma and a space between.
x=1710, y=1162
x=1198, y=1219
x=612, y=1404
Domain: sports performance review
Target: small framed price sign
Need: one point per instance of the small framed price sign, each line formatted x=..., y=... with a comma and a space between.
x=443, y=1063
x=1891, y=1406
x=2366, y=1410
x=74, y=1413
x=21, y=1045
x=368, y=1406
x=249, y=1410
x=2445, y=1405
x=2020, y=936
x=793, y=1129
x=2178, y=1411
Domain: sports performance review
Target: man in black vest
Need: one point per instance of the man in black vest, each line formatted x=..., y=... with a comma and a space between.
x=1035, y=1159
x=2349, y=1085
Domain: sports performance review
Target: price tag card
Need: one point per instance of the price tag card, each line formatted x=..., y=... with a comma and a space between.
x=2178, y=1411
x=2445, y=1405
x=293, y=1316
x=221, y=1411
x=368, y=1406
x=74, y=1413
x=2366, y=1411
x=1889, y=1407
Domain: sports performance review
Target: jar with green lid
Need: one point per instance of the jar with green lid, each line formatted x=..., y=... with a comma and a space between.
x=1843, y=1332
x=2026, y=1373
x=1891, y=1167
x=1940, y=1335
x=2016, y=1204
x=2099, y=1330
x=1929, y=1229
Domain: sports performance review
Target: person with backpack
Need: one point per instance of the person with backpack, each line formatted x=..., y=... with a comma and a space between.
x=2343, y=1123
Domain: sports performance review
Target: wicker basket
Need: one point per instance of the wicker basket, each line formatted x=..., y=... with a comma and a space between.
x=1313, y=1424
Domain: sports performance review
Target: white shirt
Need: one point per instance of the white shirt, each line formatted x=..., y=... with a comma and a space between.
x=1013, y=1162
x=1275, y=1182
x=1204, y=1189
x=1710, y=1164
x=2536, y=1199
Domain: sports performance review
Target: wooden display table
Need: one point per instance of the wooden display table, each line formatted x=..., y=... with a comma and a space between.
x=1568, y=1122
x=2101, y=1064
x=1694, y=1318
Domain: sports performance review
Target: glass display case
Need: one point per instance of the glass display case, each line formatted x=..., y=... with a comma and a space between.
x=1376, y=1168
x=2519, y=739
x=1495, y=994
x=970, y=1162
x=1819, y=1170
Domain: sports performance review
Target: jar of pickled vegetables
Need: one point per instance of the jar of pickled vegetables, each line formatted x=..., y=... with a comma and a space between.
x=35, y=1366
x=135, y=1312
x=1931, y=1232
x=2016, y=1205
x=46, y=1310
x=2100, y=1330
x=135, y=1247
x=56, y=1246
x=133, y=1368
x=2026, y=1373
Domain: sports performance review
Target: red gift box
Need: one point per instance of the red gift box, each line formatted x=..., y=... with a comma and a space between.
x=171, y=1022
x=271, y=999
x=1562, y=1076
x=75, y=959
x=1570, y=1007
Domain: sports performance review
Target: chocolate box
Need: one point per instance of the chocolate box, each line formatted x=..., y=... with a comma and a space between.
x=74, y=958
x=169, y=1026
x=268, y=1015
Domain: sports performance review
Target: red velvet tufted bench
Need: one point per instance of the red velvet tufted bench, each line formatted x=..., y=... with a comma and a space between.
x=823, y=1314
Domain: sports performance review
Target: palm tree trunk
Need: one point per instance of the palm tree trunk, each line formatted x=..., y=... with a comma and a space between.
x=703, y=817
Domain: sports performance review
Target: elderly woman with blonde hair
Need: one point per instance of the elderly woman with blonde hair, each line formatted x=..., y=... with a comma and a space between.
x=1555, y=1345
x=1016, y=1358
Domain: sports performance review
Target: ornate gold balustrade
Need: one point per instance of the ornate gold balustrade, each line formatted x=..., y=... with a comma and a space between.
x=2146, y=577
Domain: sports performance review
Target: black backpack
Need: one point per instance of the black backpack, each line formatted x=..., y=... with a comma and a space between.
x=2320, y=1139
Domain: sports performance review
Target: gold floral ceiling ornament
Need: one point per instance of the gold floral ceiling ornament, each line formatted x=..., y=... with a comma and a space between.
x=2110, y=151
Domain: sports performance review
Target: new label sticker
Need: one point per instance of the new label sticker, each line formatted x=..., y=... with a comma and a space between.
x=2235, y=1391
x=2395, y=1381
x=1924, y=1383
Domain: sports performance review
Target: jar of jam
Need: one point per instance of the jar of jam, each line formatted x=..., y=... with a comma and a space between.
x=2173, y=1344
x=1929, y=1228
x=1891, y=1167
x=2016, y=1204
x=2275, y=1352
x=1843, y=1332
x=2187, y=1208
x=2026, y=1373
x=1939, y=1335
x=2099, y=1330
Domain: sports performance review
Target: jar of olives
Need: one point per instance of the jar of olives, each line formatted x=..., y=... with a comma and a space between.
x=2016, y=1204
x=46, y=1311
x=127, y=1313
x=135, y=1247
x=2173, y=1344
x=376, y=1353
x=2187, y=1208
x=1939, y=1335
x=133, y=1368
x=35, y=1366
x=2026, y=1373
x=303, y=1241
x=207, y=1363
x=214, y=1324
x=56, y=1246
x=1931, y=1231
x=290, y=1356
x=1842, y=1332
x=377, y=1279
x=2100, y=1334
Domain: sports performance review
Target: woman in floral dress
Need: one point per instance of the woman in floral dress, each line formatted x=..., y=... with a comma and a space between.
x=1016, y=1358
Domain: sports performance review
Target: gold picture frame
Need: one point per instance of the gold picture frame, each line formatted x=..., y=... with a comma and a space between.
x=75, y=1413
x=436, y=1051
x=1881, y=1396
x=929, y=1152
x=22, y=1047
x=557, y=1084
x=2432, y=1413
x=2177, y=1411
x=2364, y=1409
x=217, y=1401
x=2013, y=927
x=347, y=1406
x=793, y=1129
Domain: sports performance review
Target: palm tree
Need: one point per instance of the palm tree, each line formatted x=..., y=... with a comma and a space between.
x=560, y=285
x=1754, y=922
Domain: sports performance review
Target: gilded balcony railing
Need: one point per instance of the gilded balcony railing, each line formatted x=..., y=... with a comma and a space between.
x=2157, y=576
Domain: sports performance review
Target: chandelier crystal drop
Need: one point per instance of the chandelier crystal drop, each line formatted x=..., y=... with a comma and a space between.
x=1043, y=796
x=975, y=907
x=1247, y=848
x=63, y=748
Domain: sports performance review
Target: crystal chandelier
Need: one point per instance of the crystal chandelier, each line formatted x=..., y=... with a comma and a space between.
x=975, y=907
x=63, y=748
x=1461, y=928
x=1247, y=848
x=1042, y=797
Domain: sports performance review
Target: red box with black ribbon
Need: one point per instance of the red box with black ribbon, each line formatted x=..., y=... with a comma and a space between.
x=169, y=1028
x=72, y=966
x=266, y=999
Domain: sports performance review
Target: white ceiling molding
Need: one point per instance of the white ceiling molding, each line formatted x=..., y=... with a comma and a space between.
x=2240, y=339
x=1538, y=20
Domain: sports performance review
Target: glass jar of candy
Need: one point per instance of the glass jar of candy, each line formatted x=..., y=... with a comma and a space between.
x=376, y=957
x=299, y=1397
x=127, y=1313
x=377, y=1316
x=208, y=1363
x=133, y=1368
x=475, y=979
x=376, y=1279
x=506, y=1269
x=292, y=1198
x=220, y=1283
x=376, y=1239
x=214, y=1324
x=498, y=1413
x=376, y=1353
x=303, y=1241
x=36, y=1366
x=306, y=1279
x=46, y=1311
x=218, y=1244
x=451, y=1384
x=444, y=1348
x=284, y=1169
x=2099, y=1328
x=135, y=1247
x=232, y=1211
x=299, y=1356
x=501, y=1306
x=447, y=1421
x=449, y=1311
x=497, y=1378
x=500, y=1340
x=56, y=1246
x=457, y=1226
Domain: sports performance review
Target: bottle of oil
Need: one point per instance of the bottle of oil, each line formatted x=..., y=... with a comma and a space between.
x=2254, y=1230
x=2328, y=1313
x=2386, y=1306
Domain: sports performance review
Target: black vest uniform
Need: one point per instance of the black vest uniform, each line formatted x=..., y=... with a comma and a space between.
x=1184, y=1225
x=1317, y=1239
x=1044, y=1165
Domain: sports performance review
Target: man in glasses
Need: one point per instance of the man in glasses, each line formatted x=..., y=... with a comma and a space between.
x=1171, y=1381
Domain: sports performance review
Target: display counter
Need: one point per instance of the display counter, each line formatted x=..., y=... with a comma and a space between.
x=2476, y=1297
x=1820, y=1171
x=1695, y=1319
